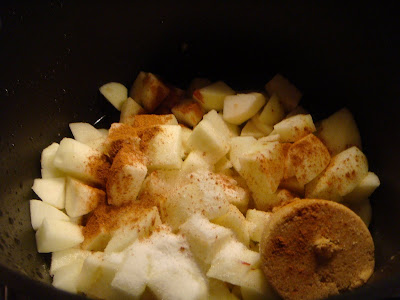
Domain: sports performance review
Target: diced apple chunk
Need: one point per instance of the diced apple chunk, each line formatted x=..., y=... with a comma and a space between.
x=266, y=129
x=233, y=263
x=235, y=220
x=115, y=92
x=40, y=210
x=144, y=121
x=188, y=112
x=119, y=135
x=266, y=202
x=343, y=174
x=125, y=177
x=197, y=160
x=164, y=147
x=238, y=146
x=148, y=91
x=273, y=112
x=80, y=198
x=148, y=219
x=51, y=191
x=97, y=273
x=84, y=132
x=129, y=110
x=218, y=123
x=262, y=167
x=206, y=138
x=55, y=235
x=81, y=161
x=60, y=259
x=364, y=189
x=213, y=95
x=205, y=238
x=288, y=94
x=294, y=128
x=260, y=220
x=241, y=107
x=250, y=129
x=223, y=164
x=308, y=157
x=258, y=287
x=47, y=162
x=218, y=290
x=339, y=132
x=200, y=195
x=66, y=277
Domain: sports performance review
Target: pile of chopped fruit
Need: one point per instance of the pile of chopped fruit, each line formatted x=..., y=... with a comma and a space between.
x=174, y=200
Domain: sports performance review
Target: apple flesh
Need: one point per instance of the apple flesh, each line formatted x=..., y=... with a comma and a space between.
x=40, y=210
x=241, y=107
x=116, y=93
x=212, y=96
x=51, y=191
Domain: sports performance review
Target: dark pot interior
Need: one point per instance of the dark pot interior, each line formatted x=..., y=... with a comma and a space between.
x=54, y=55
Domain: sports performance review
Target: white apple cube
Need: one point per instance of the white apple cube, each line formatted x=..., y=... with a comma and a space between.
x=238, y=146
x=241, y=107
x=308, y=157
x=81, y=161
x=125, y=177
x=60, y=259
x=250, y=129
x=84, y=132
x=288, y=94
x=185, y=134
x=223, y=164
x=114, y=92
x=96, y=241
x=294, y=128
x=196, y=197
x=40, y=210
x=47, y=162
x=343, y=174
x=262, y=167
x=55, y=235
x=66, y=277
x=364, y=189
x=133, y=275
x=119, y=135
x=218, y=123
x=98, y=144
x=219, y=290
x=234, y=130
x=270, y=138
x=266, y=129
x=206, y=138
x=212, y=96
x=233, y=262
x=256, y=287
x=177, y=275
x=188, y=112
x=273, y=112
x=98, y=271
x=197, y=160
x=205, y=238
x=80, y=198
x=148, y=219
x=162, y=182
x=51, y=191
x=148, y=91
x=339, y=132
x=129, y=110
x=164, y=150
x=235, y=220
x=260, y=220
x=266, y=202
x=147, y=120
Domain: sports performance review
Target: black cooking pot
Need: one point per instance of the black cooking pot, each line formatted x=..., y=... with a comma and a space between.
x=54, y=55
